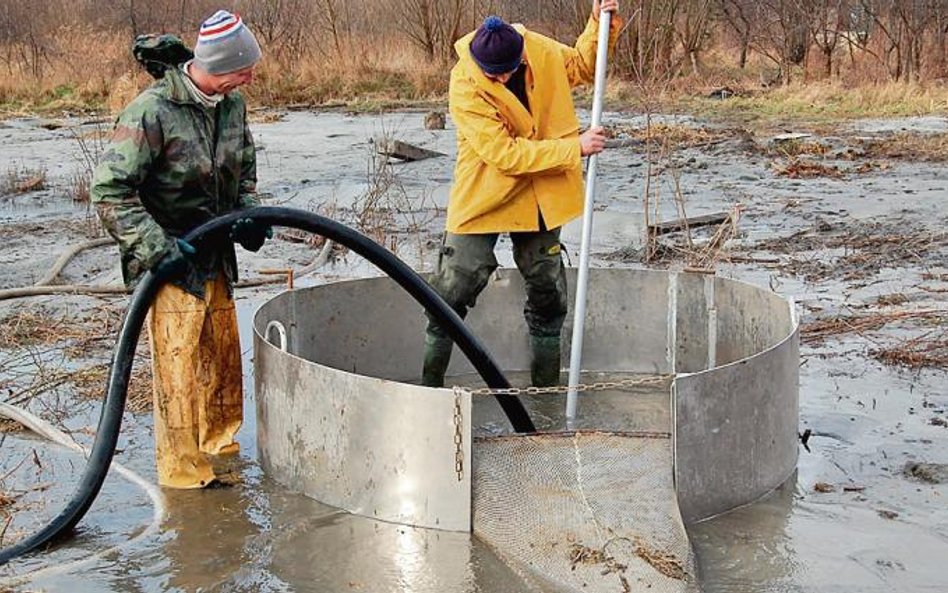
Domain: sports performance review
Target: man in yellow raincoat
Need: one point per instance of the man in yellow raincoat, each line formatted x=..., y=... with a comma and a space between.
x=519, y=171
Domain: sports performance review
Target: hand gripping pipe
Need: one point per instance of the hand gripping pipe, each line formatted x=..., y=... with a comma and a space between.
x=110, y=420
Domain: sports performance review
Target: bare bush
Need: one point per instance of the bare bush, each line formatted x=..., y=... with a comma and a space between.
x=904, y=26
x=434, y=25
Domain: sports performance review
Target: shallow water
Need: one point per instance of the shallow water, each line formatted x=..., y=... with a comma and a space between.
x=868, y=420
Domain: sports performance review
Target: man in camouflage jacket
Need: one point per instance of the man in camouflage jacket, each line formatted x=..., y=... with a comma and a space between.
x=181, y=153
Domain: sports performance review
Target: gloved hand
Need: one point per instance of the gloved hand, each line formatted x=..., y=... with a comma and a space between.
x=175, y=262
x=250, y=233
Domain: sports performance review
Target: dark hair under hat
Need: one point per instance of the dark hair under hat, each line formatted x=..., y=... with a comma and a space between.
x=497, y=47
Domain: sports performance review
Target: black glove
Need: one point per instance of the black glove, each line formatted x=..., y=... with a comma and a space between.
x=250, y=233
x=175, y=261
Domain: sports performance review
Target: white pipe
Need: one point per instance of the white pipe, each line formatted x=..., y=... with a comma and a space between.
x=579, y=310
x=50, y=432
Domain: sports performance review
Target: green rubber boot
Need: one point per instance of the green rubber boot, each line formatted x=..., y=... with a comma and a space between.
x=437, y=357
x=545, y=367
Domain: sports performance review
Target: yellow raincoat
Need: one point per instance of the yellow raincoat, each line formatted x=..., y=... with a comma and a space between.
x=511, y=162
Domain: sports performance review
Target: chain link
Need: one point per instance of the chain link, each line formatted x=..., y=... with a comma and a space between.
x=560, y=389
x=458, y=436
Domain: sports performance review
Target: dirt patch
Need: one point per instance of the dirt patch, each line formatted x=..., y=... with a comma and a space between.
x=932, y=473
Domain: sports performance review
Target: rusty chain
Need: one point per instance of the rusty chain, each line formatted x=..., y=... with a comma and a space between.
x=458, y=436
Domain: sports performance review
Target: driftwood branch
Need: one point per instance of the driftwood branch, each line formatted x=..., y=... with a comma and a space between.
x=42, y=287
x=67, y=256
x=683, y=224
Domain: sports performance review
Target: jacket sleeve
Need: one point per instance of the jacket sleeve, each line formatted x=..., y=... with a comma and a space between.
x=580, y=60
x=481, y=126
x=248, y=170
x=136, y=143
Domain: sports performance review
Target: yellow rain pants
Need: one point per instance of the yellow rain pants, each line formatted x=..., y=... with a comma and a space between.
x=198, y=391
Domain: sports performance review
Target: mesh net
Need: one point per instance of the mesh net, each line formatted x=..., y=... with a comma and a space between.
x=583, y=511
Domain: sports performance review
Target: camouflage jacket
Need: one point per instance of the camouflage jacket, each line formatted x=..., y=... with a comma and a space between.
x=173, y=164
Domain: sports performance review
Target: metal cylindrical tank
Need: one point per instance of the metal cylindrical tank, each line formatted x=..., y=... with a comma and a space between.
x=341, y=419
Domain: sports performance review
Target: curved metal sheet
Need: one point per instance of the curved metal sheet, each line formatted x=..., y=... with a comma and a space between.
x=340, y=421
x=735, y=426
x=372, y=447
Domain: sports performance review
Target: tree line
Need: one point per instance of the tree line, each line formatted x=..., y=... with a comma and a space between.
x=897, y=40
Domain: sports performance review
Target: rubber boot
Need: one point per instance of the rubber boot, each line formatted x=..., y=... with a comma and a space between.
x=437, y=357
x=545, y=367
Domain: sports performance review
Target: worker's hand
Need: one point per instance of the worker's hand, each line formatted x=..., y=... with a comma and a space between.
x=607, y=5
x=592, y=141
x=250, y=234
x=175, y=261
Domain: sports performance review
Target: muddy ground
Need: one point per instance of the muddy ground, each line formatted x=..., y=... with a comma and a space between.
x=849, y=218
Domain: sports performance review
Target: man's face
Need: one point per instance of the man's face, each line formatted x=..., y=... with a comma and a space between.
x=501, y=78
x=224, y=83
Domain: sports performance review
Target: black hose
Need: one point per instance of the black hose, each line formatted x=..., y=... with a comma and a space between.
x=110, y=420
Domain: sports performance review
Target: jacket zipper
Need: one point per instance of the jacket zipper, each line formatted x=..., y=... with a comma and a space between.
x=210, y=141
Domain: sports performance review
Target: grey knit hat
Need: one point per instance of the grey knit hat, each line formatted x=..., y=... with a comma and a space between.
x=225, y=44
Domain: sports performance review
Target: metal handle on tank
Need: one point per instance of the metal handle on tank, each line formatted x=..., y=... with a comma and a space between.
x=281, y=333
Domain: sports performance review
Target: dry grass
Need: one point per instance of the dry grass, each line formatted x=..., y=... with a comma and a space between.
x=80, y=335
x=7, y=426
x=830, y=101
x=81, y=79
x=91, y=384
x=21, y=179
x=866, y=248
x=795, y=168
x=922, y=352
x=909, y=146
x=799, y=147
x=929, y=350
x=91, y=146
x=93, y=70
x=818, y=331
x=96, y=72
x=56, y=355
x=674, y=136
x=664, y=562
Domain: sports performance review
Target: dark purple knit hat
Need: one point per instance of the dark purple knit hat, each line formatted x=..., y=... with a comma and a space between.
x=497, y=47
